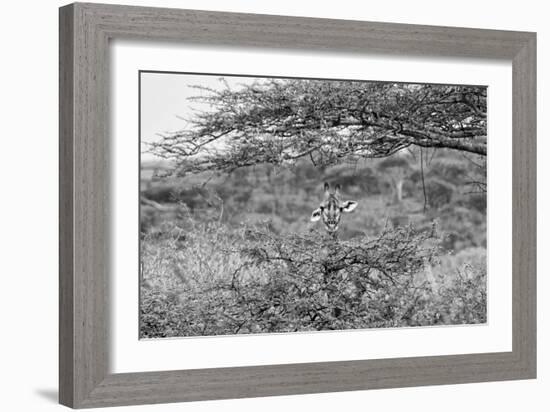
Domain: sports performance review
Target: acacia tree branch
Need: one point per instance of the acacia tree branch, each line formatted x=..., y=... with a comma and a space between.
x=281, y=121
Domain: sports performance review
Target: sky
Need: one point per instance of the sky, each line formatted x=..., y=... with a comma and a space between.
x=164, y=101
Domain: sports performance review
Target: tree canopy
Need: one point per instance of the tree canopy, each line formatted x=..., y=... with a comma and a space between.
x=279, y=121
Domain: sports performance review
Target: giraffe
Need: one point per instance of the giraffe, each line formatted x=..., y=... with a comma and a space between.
x=331, y=209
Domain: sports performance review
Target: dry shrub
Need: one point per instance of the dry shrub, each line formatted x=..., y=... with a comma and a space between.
x=314, y=282
x=208, y=279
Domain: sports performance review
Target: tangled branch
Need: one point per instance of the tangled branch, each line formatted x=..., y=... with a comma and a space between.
x=281, y=121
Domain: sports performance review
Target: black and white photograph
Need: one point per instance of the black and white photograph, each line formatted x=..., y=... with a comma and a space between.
x=283, y=205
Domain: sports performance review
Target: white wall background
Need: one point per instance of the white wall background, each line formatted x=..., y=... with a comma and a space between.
x=28, y=294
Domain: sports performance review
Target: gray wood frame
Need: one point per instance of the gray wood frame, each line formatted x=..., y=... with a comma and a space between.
x=85, y=30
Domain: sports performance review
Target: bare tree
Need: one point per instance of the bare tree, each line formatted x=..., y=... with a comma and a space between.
x=395, y=169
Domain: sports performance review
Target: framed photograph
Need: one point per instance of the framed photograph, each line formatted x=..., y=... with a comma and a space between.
x=256, y=205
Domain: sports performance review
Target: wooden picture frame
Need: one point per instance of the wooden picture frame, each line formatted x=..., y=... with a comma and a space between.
x=85, y=31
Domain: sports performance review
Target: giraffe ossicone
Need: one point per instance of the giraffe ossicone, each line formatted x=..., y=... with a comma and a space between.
x=331, y=208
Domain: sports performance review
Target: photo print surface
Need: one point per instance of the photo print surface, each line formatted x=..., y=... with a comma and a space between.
x=281, y=205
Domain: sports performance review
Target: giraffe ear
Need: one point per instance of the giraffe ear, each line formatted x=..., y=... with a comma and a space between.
x=349, y=206
x=316, y=215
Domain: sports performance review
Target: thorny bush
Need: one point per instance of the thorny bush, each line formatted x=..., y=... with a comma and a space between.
x=252, y=280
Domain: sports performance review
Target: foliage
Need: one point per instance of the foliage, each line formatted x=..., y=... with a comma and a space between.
x=286, y=197
x=203, y=279
x=440, y=192
x=280, y=121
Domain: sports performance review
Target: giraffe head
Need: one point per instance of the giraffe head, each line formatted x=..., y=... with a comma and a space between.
x=331, y=209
